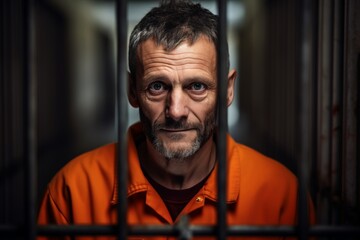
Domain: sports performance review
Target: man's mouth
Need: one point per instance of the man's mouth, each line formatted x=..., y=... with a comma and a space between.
x=176, y=130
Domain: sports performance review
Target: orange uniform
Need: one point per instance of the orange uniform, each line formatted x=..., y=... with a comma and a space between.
x=260, y=191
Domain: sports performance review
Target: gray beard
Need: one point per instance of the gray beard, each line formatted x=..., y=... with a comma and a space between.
x=204, y=132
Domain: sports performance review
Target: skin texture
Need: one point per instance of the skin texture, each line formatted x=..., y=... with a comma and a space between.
x=176, y=92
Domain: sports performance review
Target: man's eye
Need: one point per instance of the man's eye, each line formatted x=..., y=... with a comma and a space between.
x=197, y=86
x=157, y=87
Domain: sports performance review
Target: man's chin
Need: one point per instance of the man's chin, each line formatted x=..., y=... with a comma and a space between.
x=178, y=150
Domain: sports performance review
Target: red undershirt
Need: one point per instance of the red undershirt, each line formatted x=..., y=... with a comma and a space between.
x=176, y=200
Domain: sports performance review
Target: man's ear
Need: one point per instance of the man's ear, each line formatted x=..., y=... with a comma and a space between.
x=231, y=85
x=132, y=96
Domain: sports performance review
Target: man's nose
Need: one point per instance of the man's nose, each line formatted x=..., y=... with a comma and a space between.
x=176, y=107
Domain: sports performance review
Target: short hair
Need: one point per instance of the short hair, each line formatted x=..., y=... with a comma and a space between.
x=171, y=24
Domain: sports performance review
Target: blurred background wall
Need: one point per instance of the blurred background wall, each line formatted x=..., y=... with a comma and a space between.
x=75, y=72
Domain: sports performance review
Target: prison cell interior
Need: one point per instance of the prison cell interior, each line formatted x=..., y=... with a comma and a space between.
x=327, y=68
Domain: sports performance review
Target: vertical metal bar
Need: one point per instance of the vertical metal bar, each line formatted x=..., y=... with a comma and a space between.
x=323, y=112
x=305, y=116
x=30, y=119
x=122, y=116
x=222, y=118
x=335, y=110
x=351, y=108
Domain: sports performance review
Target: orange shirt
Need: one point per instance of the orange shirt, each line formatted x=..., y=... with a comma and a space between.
x=260, y=191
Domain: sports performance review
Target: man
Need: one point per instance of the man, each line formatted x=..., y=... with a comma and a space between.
x=172, y=151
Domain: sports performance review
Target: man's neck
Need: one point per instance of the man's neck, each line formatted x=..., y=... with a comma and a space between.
x=178, y=173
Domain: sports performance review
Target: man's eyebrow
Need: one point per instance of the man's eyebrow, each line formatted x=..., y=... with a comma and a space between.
x=154, y=77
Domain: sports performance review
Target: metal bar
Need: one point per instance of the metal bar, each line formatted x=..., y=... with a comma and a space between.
x=350, y=194
x=196, y=230
x=335, y=231
x=323, y=112
x=30, y=120
x=305, y=117
x=184, y=232
x=335, y=111
x=122, y=116
x=222, y=118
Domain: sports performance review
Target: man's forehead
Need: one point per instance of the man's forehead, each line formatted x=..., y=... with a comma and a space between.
x=202, y=47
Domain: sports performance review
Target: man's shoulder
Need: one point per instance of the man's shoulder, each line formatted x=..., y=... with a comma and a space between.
x=254, y=164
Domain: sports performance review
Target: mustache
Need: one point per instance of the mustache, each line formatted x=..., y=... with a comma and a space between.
x=176, y=125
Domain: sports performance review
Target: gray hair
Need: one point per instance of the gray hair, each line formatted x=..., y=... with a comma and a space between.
x=171, y=24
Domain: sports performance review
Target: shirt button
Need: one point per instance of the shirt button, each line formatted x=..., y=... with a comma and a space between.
x=199, y=199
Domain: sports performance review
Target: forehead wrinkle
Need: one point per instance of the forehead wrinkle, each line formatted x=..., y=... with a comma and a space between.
x=183, y=63
x=176, y=56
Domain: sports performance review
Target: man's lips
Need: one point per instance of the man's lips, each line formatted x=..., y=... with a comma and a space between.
x=176, y=130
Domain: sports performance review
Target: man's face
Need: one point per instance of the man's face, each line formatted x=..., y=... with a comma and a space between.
x=176, y=94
